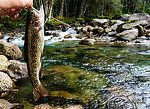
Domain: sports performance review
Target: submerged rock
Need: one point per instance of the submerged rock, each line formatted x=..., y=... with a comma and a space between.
x=87, y=41
x=17, y=70
x=3, y=63
x=73, y=83
x=10, y=50
x=6, y=84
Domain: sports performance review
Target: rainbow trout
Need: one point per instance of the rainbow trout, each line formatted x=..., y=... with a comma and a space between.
x=33, y=49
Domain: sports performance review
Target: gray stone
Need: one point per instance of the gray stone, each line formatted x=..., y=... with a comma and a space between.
x=137, y=23
x=114, y=27
x=101, y=21
x=11, y=51
x=112, y=33
x=7, y=105
x=147, y=32
x=17, y=70
x=75, y=107
x=128, y=35
x=128, y=25
x=3, y=63
x=47, y=106
x=6, y=84
x=136, y=16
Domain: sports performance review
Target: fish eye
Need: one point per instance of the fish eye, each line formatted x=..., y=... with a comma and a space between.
x=32, y=12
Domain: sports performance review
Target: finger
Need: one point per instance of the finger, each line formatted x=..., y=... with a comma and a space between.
x=14, y=13
x=4, y=12
x=13, y=17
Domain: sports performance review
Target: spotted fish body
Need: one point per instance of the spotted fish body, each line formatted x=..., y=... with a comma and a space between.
x=33, y=49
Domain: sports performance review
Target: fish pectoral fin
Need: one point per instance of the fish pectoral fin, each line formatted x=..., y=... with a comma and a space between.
x=39, y=91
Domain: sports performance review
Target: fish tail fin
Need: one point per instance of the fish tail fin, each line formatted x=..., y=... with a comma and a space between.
x=39, y=91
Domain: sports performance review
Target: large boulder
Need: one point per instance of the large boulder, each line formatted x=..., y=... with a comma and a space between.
x=11, y=51
x=128, y=25
x=17, y=70
x=128, y=35
x=3, y=63
x=136, y=16
x=6, y=84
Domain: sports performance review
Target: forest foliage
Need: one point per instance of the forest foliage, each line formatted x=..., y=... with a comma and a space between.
x=97, y=8
x=67, y=10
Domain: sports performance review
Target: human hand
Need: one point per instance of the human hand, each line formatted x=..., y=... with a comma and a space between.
x=13, y=7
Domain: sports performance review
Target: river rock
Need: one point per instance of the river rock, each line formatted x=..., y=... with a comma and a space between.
x=141, y=30
x=6, y=84
x=75, y=107
x=114, y=27
x=136, y=16
x=44, y=106
x=11, y=51
x=113, y=33
x=47, y=106
x=67, y=36
x=128, y=35
x=98, y=31
x=87, y=41
x=3, y=63
x=7, y=105
x=100, y=22
x=147, y=32
x=17, y=70
x=88, y=28
x=127, y=26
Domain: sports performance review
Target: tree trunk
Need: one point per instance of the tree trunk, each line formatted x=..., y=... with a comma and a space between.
x=62, y=9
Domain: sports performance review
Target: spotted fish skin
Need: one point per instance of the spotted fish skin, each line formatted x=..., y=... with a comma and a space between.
x=33, y=49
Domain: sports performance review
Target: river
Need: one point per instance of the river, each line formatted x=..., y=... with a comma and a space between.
x=96, y=77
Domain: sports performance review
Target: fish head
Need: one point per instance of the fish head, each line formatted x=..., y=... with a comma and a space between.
x=37, y=17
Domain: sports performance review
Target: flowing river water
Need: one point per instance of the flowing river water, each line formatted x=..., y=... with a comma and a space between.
x=96, y=77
